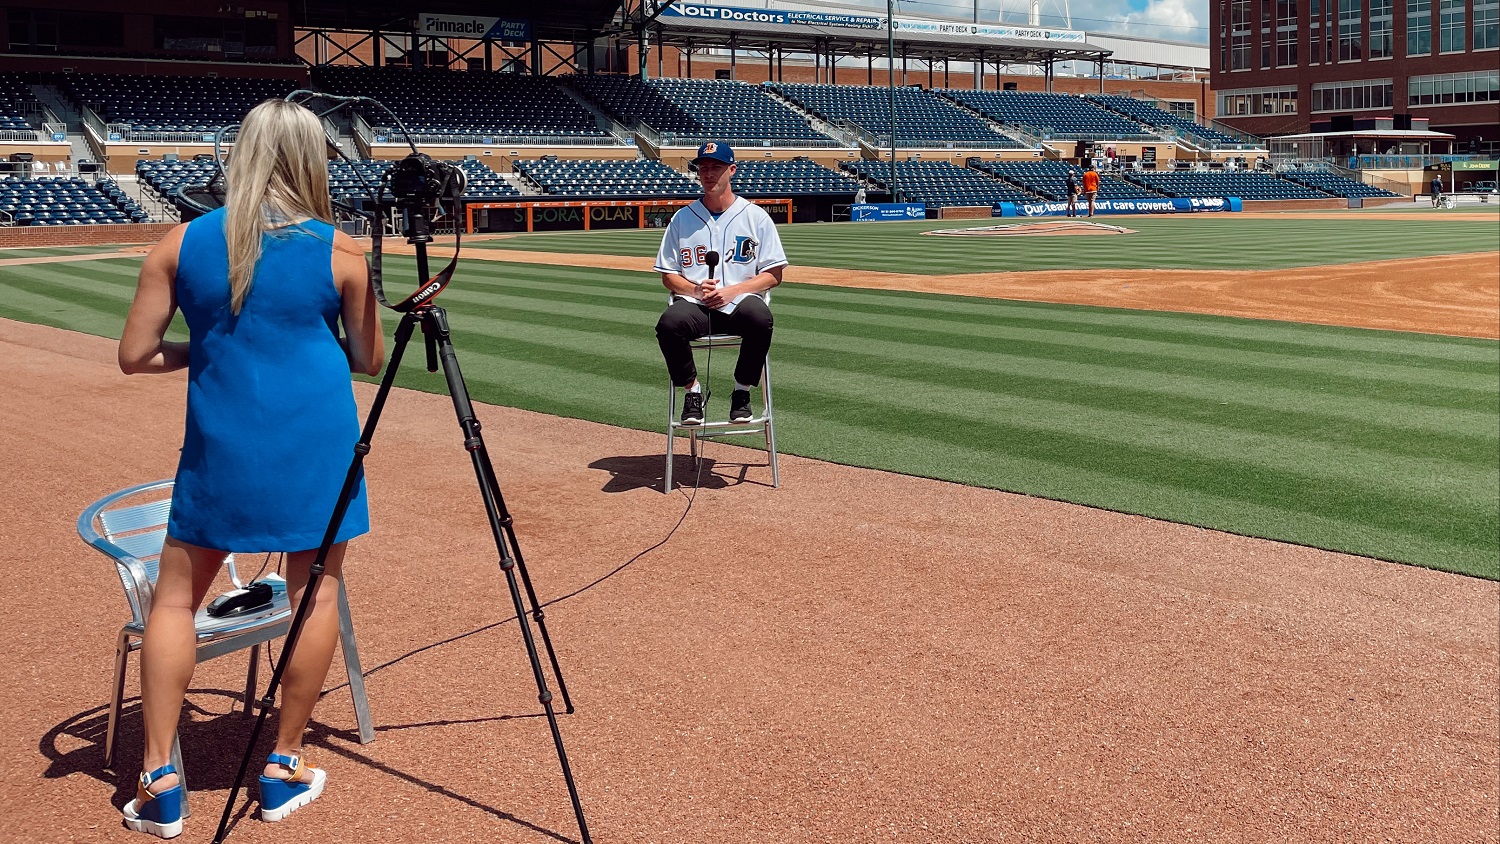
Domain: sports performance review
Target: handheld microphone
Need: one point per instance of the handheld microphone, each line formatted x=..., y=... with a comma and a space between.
x=712, y=259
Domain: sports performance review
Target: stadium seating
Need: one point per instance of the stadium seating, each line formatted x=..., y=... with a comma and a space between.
x=1049, y=179
x=16, y=100
x=938, y=183
x=346, y=181
x=611, y=179
x=1148, y=114
x=790, y=178
x=1051, y=115
x=1245, y=185
x=925, y=119
x=144, y=108
x=59, y=201
x=1334, y=183
x=688, y=112
x=441, y=106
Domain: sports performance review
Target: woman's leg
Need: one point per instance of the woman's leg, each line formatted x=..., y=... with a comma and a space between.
x=302, y=682
x=169, y=650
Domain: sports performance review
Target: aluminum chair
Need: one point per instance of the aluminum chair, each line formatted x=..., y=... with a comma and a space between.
x=761, y=424
x=129, y=527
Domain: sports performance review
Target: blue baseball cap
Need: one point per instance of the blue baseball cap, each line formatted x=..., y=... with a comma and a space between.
x=716, y=150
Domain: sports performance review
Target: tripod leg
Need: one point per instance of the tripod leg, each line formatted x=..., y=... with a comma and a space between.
x=436, y=325
x=536, y=608
x=315, y=571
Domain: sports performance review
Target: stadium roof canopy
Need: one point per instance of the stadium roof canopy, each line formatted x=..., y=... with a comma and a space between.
x=557, y=20
x=865, y=34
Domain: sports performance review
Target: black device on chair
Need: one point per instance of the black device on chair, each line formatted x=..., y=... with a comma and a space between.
x=256, y=596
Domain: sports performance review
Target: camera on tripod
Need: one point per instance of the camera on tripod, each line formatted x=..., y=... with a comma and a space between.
x=420, y=179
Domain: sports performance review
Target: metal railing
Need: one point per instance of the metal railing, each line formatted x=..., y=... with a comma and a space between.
x=1243, y=139
x=389, y=135
x=19, y=135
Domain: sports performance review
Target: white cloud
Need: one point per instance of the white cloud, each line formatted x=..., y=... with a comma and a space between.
x=1172, y=19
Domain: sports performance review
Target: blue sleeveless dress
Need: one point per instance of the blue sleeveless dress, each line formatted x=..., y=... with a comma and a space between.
x=271, y=420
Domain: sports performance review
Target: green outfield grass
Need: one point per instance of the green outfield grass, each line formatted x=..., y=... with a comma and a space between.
x=1378, y=443
x=54, y=251
x=1184, y=241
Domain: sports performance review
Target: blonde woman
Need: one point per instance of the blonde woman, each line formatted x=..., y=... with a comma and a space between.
x=264, y=285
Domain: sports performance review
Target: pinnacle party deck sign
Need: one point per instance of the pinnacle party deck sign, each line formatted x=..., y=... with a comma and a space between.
x=475, y=27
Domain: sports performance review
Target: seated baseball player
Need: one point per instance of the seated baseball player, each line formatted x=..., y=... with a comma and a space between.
x=719, y=259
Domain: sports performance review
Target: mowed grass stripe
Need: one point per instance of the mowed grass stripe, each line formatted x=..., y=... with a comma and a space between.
x=1079, y=425
x=1182, y=241
x=1364, y=465
x=1251, y=335
x=1403, y=428
x=1138, y=350
x=56, y=251
x=915, y=454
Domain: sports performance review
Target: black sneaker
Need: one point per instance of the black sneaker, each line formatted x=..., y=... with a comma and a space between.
x=692, y=408
x=739, y=406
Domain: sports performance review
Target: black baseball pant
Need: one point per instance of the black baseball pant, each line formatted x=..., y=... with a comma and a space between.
x=685, y=321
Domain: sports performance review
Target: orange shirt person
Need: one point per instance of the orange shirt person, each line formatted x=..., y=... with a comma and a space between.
x=1090, y=186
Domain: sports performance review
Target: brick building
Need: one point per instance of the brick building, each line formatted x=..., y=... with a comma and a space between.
x=1287, y=66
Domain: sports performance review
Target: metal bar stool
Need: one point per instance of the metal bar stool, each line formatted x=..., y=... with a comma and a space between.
x=761, y=424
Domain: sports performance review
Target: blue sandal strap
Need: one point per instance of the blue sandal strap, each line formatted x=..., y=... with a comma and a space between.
x=147, y=779
x=284, y=760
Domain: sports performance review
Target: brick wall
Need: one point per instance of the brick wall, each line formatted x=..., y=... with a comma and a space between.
x=18, y=236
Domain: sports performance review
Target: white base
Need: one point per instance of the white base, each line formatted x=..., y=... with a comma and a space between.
x=160, y=830
x=292, y=805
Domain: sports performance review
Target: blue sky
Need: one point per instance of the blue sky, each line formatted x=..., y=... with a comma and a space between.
x=1176, y=20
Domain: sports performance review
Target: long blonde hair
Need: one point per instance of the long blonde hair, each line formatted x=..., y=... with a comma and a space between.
x=277, y=173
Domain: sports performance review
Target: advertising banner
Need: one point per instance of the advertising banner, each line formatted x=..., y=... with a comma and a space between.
x=473, y=26
x=779, y=17
x=1164, y=205
x=888, y=211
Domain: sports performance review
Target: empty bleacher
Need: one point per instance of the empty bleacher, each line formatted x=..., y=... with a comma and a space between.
x=688, y=112
x=790, y=178
x=1051, y=115
x=1334, y=183
x=59, y=201
x=16, y=103
x=938, y=183
x=1049, y=179
x=1245, y=185
x=924, y=119
x=618, y=179
x=172, y=108
x=346, y=181
x=468, y=107
x=1148, y=114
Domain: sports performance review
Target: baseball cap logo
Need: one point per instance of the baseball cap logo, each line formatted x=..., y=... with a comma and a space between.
x=710, y=148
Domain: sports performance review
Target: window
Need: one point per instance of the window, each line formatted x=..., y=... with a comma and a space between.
x=1380, y=29
x=1315, y=33
x=52, y=30
x=1286, y=33
x=1258, y=101
x=1362, y=94
x=1419, y=27
x=1479, y=86
x=1239, y=34
x=1265, y=33
x=1351, y=26
x=1486, y=24
x=1451, y=26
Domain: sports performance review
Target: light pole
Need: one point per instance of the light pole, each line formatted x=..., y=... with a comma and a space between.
x=890, y=69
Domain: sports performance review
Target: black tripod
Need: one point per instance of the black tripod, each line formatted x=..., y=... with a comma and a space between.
x=439, y=343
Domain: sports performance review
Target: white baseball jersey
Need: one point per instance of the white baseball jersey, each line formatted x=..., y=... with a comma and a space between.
x=743, y=235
